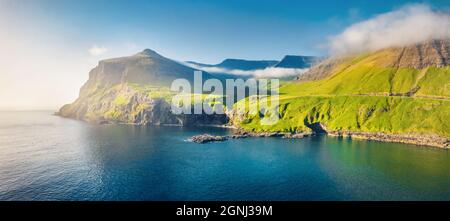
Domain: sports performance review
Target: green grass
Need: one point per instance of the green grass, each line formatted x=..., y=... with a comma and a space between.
x=355, y=113
x=113, y=114
x=361, y=94
x=376, y=81
x=435, y=83
x=121, y=100
x=153, y=91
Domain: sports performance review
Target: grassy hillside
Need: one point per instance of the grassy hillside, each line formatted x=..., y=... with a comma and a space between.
x=360, y=76
x=368, y=93
x=354, y=113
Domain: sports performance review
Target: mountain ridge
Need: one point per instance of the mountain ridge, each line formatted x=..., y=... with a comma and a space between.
x=239, y=64
x=288, y=61
x=243, y=64
x=417, y=56
x=297, y=61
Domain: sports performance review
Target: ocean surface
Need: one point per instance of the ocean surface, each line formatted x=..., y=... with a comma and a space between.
x=45, y=157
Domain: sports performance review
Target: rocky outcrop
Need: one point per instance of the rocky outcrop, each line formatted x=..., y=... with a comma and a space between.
x=245, y=133
x=206, y=138
x=321, y=69
x=296, y=135
x=434, y=141
x=123, y=104
x=432, y=53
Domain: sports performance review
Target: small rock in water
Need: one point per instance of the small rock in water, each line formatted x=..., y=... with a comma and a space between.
x=295, y=136
x=205, y=138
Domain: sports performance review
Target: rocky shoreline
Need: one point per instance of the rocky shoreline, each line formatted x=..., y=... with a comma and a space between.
x=206, y=138
x=422, y=140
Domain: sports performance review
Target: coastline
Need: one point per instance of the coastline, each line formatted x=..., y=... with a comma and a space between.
x=415, y=139
x=108, y=122
x=419, y=140
x=206, y=138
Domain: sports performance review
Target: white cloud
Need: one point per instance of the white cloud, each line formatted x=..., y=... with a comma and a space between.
x=278, y=72
x=96, y=51
x=408, y=25
x=270, y=72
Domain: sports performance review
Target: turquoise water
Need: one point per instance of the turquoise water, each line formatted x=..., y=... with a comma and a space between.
x=45, y=157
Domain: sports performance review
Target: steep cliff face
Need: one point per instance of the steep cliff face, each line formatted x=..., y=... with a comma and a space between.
x=321, y=70
x=435, y=53
x=134, y=90
x=120, y=103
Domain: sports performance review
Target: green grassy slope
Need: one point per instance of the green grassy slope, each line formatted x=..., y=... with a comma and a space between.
x=355, y=113
x=362, y=93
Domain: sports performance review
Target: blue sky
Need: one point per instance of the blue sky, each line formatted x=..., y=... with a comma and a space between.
x=205, y=31
x=48, y=47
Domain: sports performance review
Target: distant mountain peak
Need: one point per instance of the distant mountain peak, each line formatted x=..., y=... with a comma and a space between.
x=297, y=61
x=150, y=53
x=242, y=64
x=289, y=61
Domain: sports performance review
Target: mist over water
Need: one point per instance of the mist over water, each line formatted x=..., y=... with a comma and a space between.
x=45, y=157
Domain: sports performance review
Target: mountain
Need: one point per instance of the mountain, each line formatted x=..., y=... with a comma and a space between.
x=289, y=61
x=241, y=64
x=133, y=89
x=285, y=70
x=415, y=70
x=297, y=61
x=427, y=54
x=397, y=94
x=146, y=67
x=217, y=72
x=200, y=64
